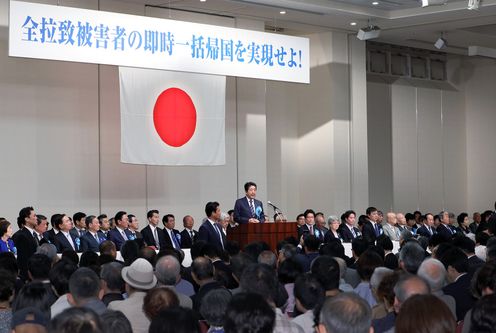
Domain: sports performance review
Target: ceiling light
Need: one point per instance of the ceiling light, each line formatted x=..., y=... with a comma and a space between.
x=426, y=3
x=203, y=0
x=353, y=23
x=370, y=32
x=375, y=3
x=282, y=12
x=473, y=4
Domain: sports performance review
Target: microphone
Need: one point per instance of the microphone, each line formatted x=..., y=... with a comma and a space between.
x=271, y=204
x=276, y=210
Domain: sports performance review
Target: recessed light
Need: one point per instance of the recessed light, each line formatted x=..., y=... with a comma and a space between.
x=375, y=3
x=203, y=0
x=282, y=12
x=353, y=23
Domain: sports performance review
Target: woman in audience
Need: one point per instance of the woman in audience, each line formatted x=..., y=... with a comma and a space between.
x=7, y=288
x=381, y=308
x=366, y=265
x=463, y=223
x=333, y=233
x=287, y=273
x=175, y=320
x=385, y=292
x=213, y=308
x=484, y=315
x=76, y=320
x=424, y=314
x=6, y=242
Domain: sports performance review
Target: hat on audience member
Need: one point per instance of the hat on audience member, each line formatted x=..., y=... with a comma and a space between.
x=140, y=275
x=28, y=315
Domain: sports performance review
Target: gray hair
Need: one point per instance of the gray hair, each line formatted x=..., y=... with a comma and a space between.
x=434, y=273
x=268, y=258
x=49, y=250
x=378, y=275
x=167, y=270
x=346, y=313
x=412, y=255
x=223, y=216
x=342, y=267
x=410, y=285
x=288, y=251
x=333, y=218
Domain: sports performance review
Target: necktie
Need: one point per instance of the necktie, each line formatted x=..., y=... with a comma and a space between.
x=124, y=235
x=376, y=229
x=311, y=229
x=353, y=232
x=220, y=236
x=252, y=208
x=192, y=236
x=35, y=236
x=174, y=240
x=97, y=240
x=155, y=236
x=69, y=239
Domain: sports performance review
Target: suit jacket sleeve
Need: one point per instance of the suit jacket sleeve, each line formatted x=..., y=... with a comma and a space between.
x=368, y=233
x=239, y=212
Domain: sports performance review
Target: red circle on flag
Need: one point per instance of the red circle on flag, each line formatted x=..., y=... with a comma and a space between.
x=174, y=117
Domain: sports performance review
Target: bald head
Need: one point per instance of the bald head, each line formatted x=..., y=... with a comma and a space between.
x=391, y=218
x=401, y=219
x=168, y=270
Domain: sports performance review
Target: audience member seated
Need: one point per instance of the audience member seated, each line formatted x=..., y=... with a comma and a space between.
x=111, y=282
x=380, y=309
x=385, y=292
x=390, y=259
x=29, y=320
x=159, y=299
x=115, y=321
x=249, y=312
x=311, y=251
x=222, y=271
x=108, y=252
x=326, y=270
x=90, y=260
x=484, y=315
x=268, y=258
x=260, y=279
x=129, y=252
x=167, y=271
x=76, y=320
x=411, y=256
x=59, y=278
x=426, y=314
x=84, y=290
x=7, y=289
x=138, y=279
x=407, y=286
x=213, y=309
x=366, y=265
x=468, y=247
x=434, y=273
x=175, y=320
x=203, y=274
x=6, y=242
x=238, y=264
x=344, y=313
x=308, y=294
x=50, y=251
x=287, y=273
x=34, y=294
x=343, y=285
x=456, y=264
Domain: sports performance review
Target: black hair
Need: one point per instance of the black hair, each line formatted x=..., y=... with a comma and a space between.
x=60, y=275
x=309, y=291
x=150, y=213
x=211, y=207
x=78, y=216
x=249, y=312
x=175, y=320
x=23, y=214
x=455, y=258
x=326, y=270
x=76, y=320
x=248, y=185
x=39, y=266
x=84, y=284
x=7, y=287
x=202, y=268
x=370, y=210
x=309, y=211
x=115, y=321
x=288, y=271
x=119, y=215
x=34, y=294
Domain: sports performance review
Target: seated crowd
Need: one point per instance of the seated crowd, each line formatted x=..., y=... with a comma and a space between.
x=70, y=278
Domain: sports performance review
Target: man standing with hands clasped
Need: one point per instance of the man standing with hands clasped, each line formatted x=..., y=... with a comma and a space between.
x=248, y=209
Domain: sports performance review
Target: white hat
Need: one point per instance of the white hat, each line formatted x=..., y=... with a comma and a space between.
x=140, y=275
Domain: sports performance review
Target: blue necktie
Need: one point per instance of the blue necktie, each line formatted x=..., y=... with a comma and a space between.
x=174, y=239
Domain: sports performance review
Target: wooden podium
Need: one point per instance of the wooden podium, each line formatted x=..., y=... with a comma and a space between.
x=268, y=232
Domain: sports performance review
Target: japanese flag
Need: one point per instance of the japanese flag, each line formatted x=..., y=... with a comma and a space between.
x=172, y=118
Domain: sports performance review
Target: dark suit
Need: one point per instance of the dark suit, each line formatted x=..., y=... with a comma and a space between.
x=149, y=240
x=210, y=235
x=369, y=232
x=78, y=233
x=423, y=231
x=26, y=246
x=168, y=240
x=115, y=236
x=305, y=230
x=89, y=243
x=330, y=236
x=474, y=263
x=444, y=231
x=242, y=211
x=460, y=290
x=186, y=241
x=63, y=244
x=50, y=236
x=346, y=234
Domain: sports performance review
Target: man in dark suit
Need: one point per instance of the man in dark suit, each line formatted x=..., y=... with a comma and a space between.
x=248, y=209
x=133, y=227
x=172, y=236
x=50, y=234
x=209, y=231
x=79, y=224
x=93, y=237
x=41, y=228
x=456, y=264
x=371, y=228
x=104, y=224
x=347, y=229
x=188, y=235
x=152, y=234
x=120, y=234
x=64, y=240
x=24, y=239
x=443, y=229
x=427, y=227
x=468, y=247
x=309, y=227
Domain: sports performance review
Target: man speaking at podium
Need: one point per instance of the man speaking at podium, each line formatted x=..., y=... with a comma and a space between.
x=248, y=209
